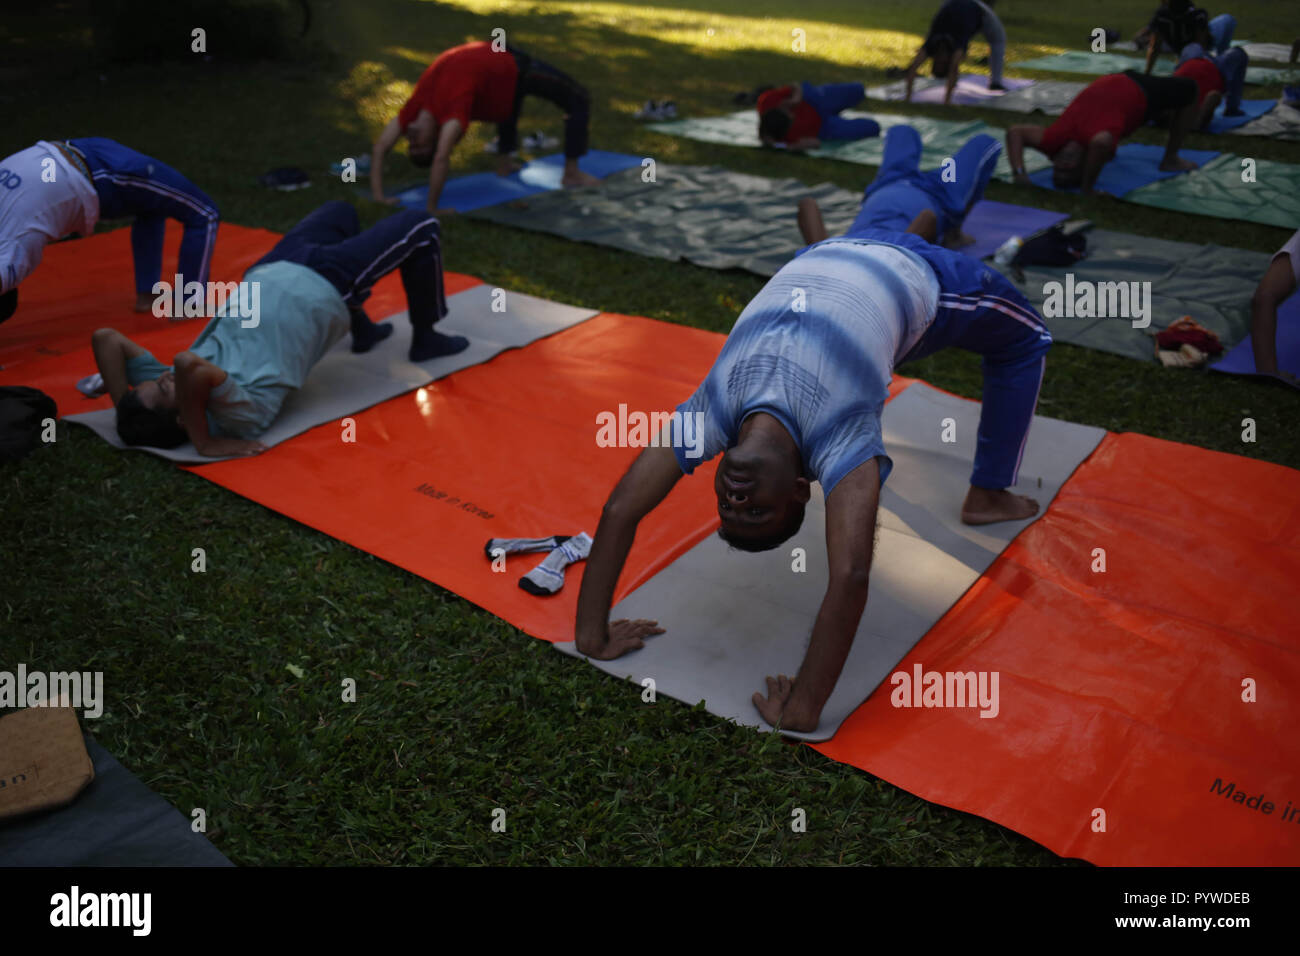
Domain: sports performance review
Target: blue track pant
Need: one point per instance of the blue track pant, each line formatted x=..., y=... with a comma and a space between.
x=133, y=184
x=329, y=241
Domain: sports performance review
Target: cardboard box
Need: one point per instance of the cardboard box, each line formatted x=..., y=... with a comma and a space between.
x=43, y=760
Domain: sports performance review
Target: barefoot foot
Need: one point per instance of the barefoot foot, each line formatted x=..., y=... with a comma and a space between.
x=579, y=178
x=988, y=505
x=1177, y=165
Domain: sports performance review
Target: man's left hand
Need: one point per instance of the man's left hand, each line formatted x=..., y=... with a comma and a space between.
x=774, y=707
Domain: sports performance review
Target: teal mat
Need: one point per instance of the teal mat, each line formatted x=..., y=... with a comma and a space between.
x=1213, y=284
x=940, y=139
x=1099, y=64
x=1216, y=190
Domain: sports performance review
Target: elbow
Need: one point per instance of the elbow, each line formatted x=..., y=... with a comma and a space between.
x=854, y=582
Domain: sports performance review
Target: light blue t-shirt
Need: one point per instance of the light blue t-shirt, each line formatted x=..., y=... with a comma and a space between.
x=300, y=317
x=816, y=349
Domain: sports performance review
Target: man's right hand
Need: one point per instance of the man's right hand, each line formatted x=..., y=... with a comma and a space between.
x=623, y=636
x=387, y=200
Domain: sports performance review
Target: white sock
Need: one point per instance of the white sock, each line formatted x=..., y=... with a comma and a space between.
x=522, y=545
x=548, y=577
x=91, y=385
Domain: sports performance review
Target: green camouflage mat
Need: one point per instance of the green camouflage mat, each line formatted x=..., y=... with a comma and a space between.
x=1216, y=189
x=1213, y=284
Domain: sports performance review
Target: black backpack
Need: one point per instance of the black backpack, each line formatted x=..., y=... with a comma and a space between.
x=1063, y=244
x=22, y=411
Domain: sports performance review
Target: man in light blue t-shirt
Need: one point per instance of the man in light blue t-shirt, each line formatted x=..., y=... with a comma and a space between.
x=796, y=396
x=225, y=391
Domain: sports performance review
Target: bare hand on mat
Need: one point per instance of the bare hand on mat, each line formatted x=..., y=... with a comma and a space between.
x=772, y=708
x=624, y=636
x=230, y=447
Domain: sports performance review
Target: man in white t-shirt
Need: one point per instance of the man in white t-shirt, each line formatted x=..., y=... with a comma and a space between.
x=43, y=198
x=1276, y=287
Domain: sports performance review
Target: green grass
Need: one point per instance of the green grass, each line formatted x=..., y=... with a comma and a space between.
x=459, y=713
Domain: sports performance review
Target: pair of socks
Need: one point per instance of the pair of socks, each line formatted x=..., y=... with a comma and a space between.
x=425, y=343
x=548, y=577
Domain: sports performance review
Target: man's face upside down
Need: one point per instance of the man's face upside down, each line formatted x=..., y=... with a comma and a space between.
x=761, y=498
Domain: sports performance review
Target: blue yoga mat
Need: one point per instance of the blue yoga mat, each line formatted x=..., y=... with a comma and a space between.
x=993, y=223
x=466, y=193
x=1135, y=165
x=1240, y=360
x=1250, y=109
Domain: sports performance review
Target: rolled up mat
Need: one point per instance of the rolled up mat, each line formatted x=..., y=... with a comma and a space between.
x=732, y=619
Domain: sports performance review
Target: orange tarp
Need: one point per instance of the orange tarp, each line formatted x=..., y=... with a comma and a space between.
x=1121, y=691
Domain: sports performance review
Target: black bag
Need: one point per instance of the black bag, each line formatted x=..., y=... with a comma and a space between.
x=1054, y=246
x=22, y=411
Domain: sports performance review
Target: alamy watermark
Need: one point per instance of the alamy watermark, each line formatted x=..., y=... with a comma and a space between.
x=1098, y=300
x=624, y=429
x=80, y=690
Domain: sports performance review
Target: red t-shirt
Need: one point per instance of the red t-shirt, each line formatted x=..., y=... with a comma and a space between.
x=806, y=122
x=467, y=82
x=1113, y=104
x=1205, y=73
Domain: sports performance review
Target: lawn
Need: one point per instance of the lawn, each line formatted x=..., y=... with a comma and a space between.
x=459, y=713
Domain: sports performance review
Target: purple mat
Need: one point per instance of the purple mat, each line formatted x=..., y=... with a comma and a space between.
x=1240, y=360
x=971, y=90
x=993, y=223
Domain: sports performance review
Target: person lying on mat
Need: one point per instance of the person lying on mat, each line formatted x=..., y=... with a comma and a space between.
x=226, y=389
x=1218, y=79
x=1085, y=137
x=1278, y=285
x=801, y=115
x=796, y=396
x=903, y=198
x=949, y=36
x=61, y=188
x=1176, y=23
x=472, y=82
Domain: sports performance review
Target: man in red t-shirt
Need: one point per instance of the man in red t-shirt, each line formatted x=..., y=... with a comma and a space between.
x=1217, y=79
x=801, y=116
x=1086, y=135
x=485, y=82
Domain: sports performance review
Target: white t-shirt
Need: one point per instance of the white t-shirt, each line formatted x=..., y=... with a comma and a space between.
x=1292, y=249
x=43, y=198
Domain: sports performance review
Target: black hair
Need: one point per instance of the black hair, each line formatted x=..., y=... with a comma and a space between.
x=8, y=303
x=421, y=159
x=155, y=427
x=774, y=125
x=777, y=538
x=940, y=48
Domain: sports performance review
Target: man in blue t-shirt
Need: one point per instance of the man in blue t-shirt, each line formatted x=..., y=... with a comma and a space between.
x=902, y=198
x=224, y=392
x=796, y=396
